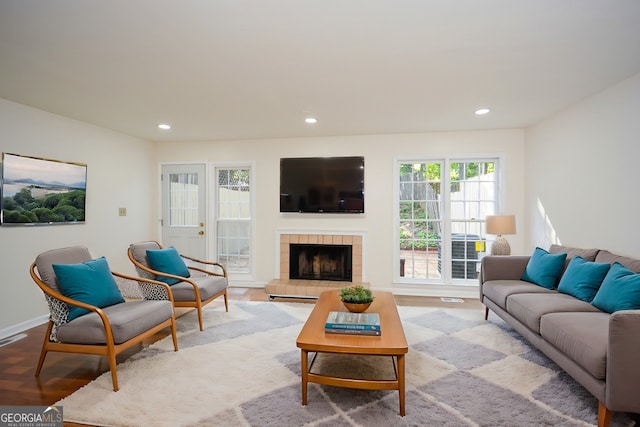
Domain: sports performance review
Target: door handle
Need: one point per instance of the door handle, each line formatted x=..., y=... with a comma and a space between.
x=201, y=232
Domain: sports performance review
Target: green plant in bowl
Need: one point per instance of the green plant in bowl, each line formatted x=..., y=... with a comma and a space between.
x=356, y=295
x=356, y=298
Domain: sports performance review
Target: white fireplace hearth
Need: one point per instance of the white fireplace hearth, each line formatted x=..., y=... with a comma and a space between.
x=284, y=286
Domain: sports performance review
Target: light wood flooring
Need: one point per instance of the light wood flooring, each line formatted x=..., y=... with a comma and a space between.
x=63, y=373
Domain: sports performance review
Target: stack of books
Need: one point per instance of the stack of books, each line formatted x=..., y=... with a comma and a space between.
x=344, y=322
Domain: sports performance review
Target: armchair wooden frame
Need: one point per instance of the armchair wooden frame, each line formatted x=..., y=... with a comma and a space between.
x=110, y=350
x=197, y=303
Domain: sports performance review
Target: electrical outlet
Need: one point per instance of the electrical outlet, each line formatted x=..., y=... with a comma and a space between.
x=122, y=211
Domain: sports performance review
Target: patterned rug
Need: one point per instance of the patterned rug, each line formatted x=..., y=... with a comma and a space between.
x=244, y=370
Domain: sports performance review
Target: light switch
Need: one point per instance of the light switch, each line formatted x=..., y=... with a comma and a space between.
x=122, y=211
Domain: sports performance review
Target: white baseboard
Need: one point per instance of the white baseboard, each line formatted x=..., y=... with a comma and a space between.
x=247, y=284
x=455, y=291
x=23, y=326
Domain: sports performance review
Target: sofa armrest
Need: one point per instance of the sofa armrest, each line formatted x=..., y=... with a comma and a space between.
x=500, y=267
x=623, y=370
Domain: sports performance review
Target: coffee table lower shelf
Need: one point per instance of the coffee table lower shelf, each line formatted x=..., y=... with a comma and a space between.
x=356, y=383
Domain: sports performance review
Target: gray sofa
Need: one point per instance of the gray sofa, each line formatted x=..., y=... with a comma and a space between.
x=599, y=350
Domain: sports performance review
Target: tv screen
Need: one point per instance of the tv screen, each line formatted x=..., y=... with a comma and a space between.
x=41, y=191
x=322, y=184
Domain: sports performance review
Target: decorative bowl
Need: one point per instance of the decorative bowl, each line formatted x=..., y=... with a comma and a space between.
x=356, y=308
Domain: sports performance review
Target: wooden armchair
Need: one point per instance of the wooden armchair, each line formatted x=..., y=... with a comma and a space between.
x=196, y=286
x=107, y=330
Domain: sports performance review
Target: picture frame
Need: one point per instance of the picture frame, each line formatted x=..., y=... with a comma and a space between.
x=41, y=191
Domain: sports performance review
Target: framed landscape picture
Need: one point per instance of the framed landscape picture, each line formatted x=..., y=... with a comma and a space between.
x=36, y=191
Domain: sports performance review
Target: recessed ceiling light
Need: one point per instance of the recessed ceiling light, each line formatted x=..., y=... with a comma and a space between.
x=311, y=120
x=482, y=111
x=164, y=126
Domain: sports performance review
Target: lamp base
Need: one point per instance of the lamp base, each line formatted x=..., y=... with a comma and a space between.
x=500, y=246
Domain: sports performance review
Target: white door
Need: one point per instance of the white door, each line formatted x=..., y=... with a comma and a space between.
x=184, y=209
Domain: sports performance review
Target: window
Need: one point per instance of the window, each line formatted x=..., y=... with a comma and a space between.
x=234, y=222
x=440, y=215
x=183, y=199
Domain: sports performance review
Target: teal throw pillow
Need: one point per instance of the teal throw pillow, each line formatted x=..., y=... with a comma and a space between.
x=620, y=290
x=544, y=268
x=582, y=278
x=90, y=282
x=168, y=261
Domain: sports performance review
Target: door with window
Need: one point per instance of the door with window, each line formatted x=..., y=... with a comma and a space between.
x=184, y=209
x=441, y=210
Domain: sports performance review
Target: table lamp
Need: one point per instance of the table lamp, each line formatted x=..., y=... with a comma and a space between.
x=499, y=225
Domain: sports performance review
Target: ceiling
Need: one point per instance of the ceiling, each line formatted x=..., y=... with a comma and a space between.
x=243, y=69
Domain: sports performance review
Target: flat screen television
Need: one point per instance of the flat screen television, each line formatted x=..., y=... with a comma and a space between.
x=322, y=184
x=36, y=191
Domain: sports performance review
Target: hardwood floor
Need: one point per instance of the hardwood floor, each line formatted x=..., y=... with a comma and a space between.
x=64, y=373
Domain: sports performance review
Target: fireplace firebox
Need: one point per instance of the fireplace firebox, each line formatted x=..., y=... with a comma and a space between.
x=320, y=262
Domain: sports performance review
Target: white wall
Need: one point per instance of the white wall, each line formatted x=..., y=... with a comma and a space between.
x=379, y=152
x=582, y=173
x=123, y=172
x=120, y=173
x=580, y=169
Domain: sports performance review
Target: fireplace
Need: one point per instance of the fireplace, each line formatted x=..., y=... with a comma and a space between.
x=285, y=285
x=355, y=241
x=320, y=262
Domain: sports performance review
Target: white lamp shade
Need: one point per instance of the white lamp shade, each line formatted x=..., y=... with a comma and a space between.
x=501, y=224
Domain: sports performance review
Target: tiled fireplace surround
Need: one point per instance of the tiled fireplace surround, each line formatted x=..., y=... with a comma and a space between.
x=283, y=286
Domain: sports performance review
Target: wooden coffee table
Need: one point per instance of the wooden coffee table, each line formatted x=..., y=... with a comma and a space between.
x=391, y=342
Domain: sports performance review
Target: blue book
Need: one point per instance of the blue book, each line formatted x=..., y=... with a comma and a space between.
x=345, y=320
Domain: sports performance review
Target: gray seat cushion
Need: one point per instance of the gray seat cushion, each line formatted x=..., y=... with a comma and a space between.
x=580, y=336
x=529, y=308
x=208, y=286
x=128, y=319
x=499, y=290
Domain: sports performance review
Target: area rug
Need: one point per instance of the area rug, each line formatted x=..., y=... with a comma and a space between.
x=244, y=370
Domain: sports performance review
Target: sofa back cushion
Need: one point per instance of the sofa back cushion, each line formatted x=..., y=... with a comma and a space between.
x=586, y=254
x=608, y=257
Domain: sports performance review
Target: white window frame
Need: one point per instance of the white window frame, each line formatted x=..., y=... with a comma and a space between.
x=446, y=276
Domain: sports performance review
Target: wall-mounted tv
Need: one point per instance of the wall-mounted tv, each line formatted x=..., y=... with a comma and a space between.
x=36, y=191
x=322, y=184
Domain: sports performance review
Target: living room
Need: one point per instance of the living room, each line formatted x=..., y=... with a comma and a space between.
x=568, y=177
x=558, y=176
